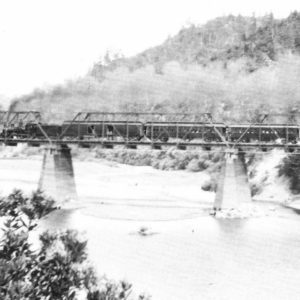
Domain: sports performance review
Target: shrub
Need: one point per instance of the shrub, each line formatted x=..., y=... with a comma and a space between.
x=207, y=186
x=255, y=189
x=291, y=169
x=56, y=270
x=194, y=165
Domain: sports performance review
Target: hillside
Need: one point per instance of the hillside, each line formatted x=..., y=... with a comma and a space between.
x=261, y=40
x=234, y=67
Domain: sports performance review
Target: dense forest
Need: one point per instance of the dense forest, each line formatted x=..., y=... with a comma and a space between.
x=234, y=67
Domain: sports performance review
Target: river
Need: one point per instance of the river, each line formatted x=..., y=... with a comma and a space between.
x=189, y=254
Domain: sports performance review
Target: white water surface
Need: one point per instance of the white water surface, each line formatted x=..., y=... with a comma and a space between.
x=188, y=254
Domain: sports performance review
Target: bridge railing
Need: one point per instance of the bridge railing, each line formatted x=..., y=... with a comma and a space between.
x=129, y=117
x=19, y=118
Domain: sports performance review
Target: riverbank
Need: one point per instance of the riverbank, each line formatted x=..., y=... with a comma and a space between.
x=270, y=173
x=169, y=158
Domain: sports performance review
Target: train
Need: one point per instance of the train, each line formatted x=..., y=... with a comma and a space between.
x=156, y=131
x=284, y=133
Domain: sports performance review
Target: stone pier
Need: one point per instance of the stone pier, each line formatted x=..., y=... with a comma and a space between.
x=233, y=187
x=57, y=174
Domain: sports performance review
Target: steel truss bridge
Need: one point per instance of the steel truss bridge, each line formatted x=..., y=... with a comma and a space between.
x=176, y=121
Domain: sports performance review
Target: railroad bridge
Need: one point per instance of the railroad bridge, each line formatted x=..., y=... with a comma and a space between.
x=155, y=130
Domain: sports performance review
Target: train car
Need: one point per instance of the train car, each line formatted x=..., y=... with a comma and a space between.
x=214, y=132
x=292, y=133
x=106, y=129
x=242, y=133
x=263, y=133
x=163, y=131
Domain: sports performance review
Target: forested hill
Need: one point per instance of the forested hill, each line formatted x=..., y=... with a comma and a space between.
x=234, y=67
x=225, y=39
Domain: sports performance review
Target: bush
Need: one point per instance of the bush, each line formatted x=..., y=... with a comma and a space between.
x=207, y=186
x=194, y=165
x=256, y=189
x=56, y=270
x=172, y=159
x=291, y=169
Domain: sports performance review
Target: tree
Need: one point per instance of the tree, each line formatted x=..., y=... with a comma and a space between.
x=55, y=271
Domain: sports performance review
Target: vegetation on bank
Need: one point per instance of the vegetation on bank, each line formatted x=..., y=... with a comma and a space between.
x=290, y=168
x=209, y=161
x=191, y=160
x=171, y=159
x=57, y=269
x=273, y=168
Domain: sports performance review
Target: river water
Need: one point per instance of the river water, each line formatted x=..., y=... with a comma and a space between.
x=188, y=254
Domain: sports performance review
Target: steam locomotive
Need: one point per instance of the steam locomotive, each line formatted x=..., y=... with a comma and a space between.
x=155, y=131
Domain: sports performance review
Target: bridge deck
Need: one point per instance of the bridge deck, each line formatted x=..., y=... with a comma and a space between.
x=149, y=143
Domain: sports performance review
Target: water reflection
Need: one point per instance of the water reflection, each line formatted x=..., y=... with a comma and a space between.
x=231, y=226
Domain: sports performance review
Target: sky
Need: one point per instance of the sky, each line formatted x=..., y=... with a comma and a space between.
x=45, y=42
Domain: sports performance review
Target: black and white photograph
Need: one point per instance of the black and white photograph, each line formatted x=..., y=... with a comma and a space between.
x=149, y=150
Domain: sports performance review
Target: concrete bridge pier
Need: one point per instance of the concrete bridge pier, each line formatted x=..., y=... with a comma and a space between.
x=57, y=174
x=233, y=186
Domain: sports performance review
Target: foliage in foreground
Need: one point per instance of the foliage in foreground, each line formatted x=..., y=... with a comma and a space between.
x=57, y=269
